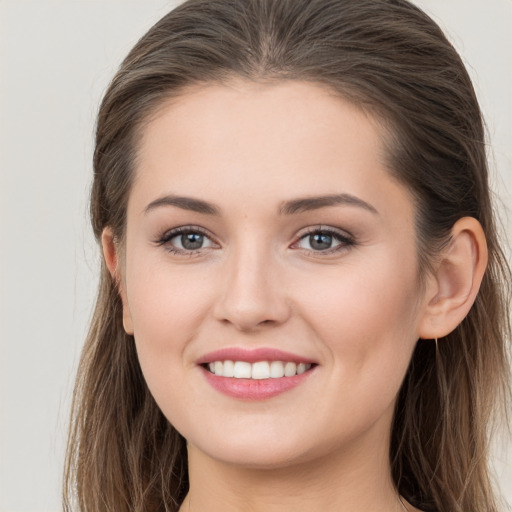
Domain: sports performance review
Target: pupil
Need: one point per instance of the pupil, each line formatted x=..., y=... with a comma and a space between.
x=320, y=241
x=192, y=241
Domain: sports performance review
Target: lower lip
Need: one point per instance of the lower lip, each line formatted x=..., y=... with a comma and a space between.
x=254, y=389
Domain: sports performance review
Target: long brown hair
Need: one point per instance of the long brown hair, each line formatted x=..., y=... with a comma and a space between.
x=391, y=60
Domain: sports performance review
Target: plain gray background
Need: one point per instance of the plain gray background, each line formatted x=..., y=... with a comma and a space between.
x=56, y=58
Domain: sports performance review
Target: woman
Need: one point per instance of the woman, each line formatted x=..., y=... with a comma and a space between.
x=302, y=304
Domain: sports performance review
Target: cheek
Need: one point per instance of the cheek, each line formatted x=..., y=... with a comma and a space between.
x=364, y=297
x=167, y=309
x=367, y=316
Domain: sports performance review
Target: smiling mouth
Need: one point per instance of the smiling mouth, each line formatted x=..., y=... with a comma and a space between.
x=259, y=370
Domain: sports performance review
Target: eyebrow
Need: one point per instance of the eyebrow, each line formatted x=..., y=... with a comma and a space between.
x=291, y=207
x=185, y=203
x=314, y=203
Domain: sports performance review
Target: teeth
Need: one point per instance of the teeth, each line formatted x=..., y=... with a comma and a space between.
x=242, y=370
x=290, y=369
x=258, y=371
x=228, y=369
x=276, y=369
x=301, y=368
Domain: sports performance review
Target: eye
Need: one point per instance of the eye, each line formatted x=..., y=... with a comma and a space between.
x=185, y=240
x=324, y=240
x=190, y=241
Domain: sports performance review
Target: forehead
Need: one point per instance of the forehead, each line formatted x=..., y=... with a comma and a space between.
x=288, y=138
x=247, y=104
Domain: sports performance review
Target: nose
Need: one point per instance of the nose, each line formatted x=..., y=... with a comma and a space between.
x=252, y=293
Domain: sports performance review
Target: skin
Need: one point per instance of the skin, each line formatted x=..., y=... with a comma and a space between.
x=357, y=310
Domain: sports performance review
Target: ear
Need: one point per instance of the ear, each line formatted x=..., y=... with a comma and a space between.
x=454, y=285
x=112, y=260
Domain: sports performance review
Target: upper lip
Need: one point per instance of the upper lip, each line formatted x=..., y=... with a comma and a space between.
x=252, y=355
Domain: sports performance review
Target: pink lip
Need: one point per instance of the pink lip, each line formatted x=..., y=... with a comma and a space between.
x=252, y=389
x=252, y=355
x=249, y=389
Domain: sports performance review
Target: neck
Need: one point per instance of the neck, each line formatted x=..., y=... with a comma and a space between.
x=352, y=481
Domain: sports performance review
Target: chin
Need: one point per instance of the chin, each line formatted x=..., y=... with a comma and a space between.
x=257, y=458
x=252, y=450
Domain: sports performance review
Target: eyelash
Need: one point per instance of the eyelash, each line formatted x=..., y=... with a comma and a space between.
x=164, y=240
x=345, y=240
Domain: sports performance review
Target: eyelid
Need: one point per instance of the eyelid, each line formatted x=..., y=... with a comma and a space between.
x=169, y=234
x=347, y=239
x=342, y=233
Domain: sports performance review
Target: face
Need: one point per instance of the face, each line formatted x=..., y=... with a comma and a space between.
x=264, y=230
